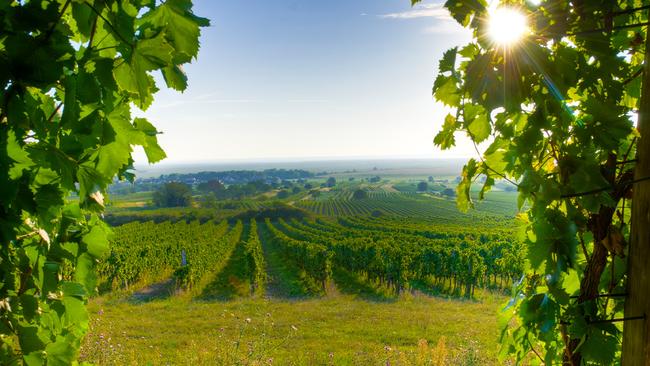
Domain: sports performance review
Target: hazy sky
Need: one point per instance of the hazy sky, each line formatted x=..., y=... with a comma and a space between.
x=295, y=79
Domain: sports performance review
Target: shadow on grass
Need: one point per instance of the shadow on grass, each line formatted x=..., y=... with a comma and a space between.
x=157, y=291
x=352, y=284
x=432, y=290
x=231, y=282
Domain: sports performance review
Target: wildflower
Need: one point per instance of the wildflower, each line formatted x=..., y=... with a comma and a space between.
x=101, y=312
x=387, y=348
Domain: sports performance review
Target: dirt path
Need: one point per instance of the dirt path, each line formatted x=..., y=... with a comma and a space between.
x=154, y=291
x=389, y=188
x=282, y=281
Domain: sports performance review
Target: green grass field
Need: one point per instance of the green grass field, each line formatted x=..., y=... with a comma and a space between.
x=335, y=330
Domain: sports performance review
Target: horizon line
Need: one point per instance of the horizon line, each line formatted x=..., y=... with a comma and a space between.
x=298, y=160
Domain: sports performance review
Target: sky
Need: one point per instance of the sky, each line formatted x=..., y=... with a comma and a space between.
x=295, y=80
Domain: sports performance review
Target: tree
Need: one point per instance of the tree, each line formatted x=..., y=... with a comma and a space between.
x=212, y=186
x=448, y=192
x=558, y=107
x=430, y=179
x=359, y=194
x=69, y=73
x=173, y=194
x=423, y=187
x=282, y=194
x=331, y=182
x=209, y=201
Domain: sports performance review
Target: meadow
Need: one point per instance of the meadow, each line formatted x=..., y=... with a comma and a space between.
x=396, y=277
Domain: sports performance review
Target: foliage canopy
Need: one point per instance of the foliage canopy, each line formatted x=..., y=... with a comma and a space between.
x=173, y=194
x=69, y=73
x=556, y=114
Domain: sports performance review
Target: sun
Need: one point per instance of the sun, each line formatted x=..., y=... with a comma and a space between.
x=506, y=26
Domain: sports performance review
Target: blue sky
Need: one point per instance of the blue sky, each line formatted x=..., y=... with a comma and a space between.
x=287, y=79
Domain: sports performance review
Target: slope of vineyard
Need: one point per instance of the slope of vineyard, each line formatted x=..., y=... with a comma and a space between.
x=498, y=210
x=381, y=253
x=149, y=251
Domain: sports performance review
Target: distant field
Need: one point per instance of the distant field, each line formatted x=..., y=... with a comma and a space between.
x=132, y=200
x=428, y=207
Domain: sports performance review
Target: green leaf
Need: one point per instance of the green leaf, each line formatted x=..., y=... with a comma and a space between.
x=89, y=180
x=180, y=26
x=445, y=90
x=463, y=10
x=30, y=338
x=70, y=108
x=73, y=289
x=175, y=77
x=445, y=138
x=487, y=185
x=96, y=241
x=600, y=348
x=131, y=72
x=75, y=312
x=463, y=198
x=84, y=272
x=20, y=157
x=119, y=136
x=477, y=122
x=36, y=358
x=151, y=148
x=495, y=156
x=448, y=61
x=62, y=351
x=49, y=200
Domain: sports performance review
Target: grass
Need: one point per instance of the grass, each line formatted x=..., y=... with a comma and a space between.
x=334, y=330
x=138, y=199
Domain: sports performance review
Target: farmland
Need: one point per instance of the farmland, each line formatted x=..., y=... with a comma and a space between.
x=247, y=283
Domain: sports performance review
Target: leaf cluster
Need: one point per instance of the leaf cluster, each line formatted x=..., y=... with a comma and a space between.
x=553, y=114
x=70, y=70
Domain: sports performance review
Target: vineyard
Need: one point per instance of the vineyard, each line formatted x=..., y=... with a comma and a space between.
x=383, y=253
x=499, y=207
x=311, y=260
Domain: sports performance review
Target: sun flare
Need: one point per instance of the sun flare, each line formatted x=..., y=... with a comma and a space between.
x=506, y=26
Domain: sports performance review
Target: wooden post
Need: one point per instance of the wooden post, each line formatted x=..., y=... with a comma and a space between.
x=636, y=333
